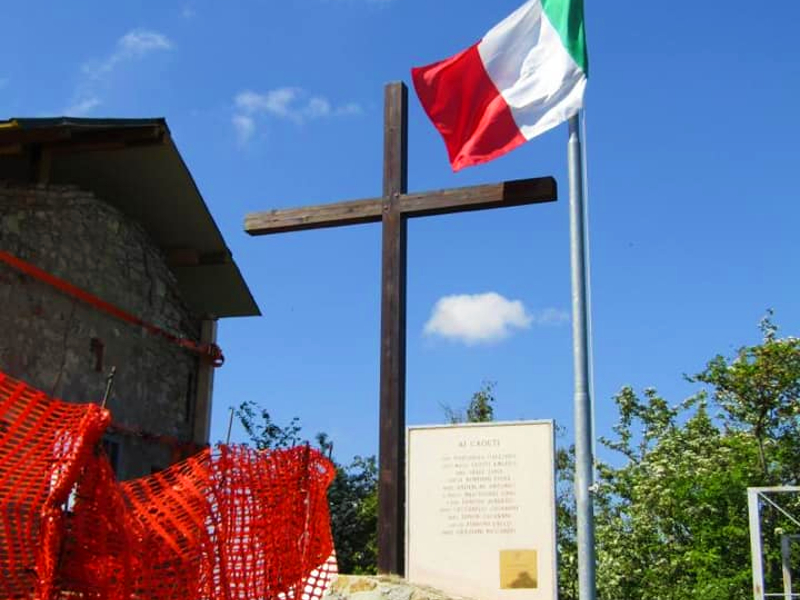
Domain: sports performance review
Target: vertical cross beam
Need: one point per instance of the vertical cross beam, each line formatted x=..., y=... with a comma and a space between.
x=392, y=209
x=391, y=481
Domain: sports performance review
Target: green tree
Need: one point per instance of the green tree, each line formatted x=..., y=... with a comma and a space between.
x=672, y=520
x=263, y=431
x=353, y=499
x=758, y=391
x=566, y=535
x=479, y=409
x=671, y=517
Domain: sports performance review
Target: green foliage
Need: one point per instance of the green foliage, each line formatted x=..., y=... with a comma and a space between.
x=481, y=405
x=480, y=408
x=263, y=431
x=671, y=519
x=757, y=392
x=353, y=497
x=566, y=541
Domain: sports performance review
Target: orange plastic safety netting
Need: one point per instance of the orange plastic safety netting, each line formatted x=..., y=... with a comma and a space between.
x=229, y=523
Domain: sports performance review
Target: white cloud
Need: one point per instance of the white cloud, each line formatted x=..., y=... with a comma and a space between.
x=245, y=128
x=135, y=44
x=82, y=106
x=317, y=107
x=477, y=318
x=187, y=12
x=139, y=42
x=351, y=108
x=484, y=318
x=275, y=102
x=3, y=82
x=550, y=316
x=290, y=103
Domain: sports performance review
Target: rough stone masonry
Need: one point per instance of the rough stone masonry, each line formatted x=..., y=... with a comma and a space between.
x=66, y=348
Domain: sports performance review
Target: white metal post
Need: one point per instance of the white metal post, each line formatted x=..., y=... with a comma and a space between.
x=584, y=461
x=755, y=543
x=786, y=566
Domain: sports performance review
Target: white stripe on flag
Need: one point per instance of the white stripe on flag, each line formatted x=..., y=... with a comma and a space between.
x=528, y=63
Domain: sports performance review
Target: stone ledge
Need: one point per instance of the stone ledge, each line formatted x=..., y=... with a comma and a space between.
x=382, y=587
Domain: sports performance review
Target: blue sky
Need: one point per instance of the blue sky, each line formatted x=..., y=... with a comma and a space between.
x=693, y=154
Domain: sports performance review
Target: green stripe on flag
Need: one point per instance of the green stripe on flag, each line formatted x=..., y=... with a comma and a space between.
x=566, y=17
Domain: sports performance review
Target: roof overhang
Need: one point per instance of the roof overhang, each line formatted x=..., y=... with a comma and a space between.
x=134, y=165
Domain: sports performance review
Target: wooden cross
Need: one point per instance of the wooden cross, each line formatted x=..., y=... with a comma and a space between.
x=393, y=209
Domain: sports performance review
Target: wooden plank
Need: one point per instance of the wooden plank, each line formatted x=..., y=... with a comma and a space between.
x=314, y=217
x=191, y=257
x=479, y=197
x=17, y=135
x=391, y=468
x=44, y=166
x=395, y=140
x=62, y=137
x=418, y=204
x=8, y=149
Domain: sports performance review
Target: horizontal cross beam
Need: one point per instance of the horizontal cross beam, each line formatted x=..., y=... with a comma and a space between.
x=419, y=204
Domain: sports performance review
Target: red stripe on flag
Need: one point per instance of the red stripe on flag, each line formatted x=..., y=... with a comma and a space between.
x=465, y=106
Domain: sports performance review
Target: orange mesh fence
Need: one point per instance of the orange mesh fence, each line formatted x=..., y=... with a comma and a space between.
x=43, y=445
x=230, y=523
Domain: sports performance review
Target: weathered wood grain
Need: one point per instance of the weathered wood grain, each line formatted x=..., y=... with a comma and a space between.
x=418, y=204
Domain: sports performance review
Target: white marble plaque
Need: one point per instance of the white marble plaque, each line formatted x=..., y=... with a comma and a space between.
x=480, y=509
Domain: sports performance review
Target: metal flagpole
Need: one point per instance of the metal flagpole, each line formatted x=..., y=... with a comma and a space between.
x=584, y=463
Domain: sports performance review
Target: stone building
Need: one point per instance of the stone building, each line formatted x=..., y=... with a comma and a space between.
x=109, y=207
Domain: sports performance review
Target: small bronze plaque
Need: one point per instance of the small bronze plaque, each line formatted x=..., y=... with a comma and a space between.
x=518, y=569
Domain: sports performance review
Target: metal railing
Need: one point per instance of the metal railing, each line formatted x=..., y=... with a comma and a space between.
x=754, y=497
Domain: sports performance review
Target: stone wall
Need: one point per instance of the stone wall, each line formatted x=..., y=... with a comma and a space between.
x=382, y=587
x=65, y=347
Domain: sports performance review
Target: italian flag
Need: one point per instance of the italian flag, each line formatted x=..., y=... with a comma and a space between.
x=524, y=77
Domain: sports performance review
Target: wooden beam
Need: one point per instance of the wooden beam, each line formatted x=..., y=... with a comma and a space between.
x=314, y=217
x=44, y=166
x=43, y=145
x=392, y=454
x=62, y=137
x=40, y=160
x=182, y=257
x=74, y=148
x=418, y=204
x=8, y=149
x=17, y=135
x=495, y=195
x=191, y=257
